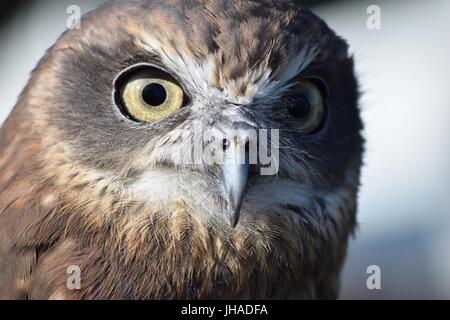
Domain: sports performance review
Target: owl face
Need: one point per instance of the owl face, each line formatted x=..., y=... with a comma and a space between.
x=159, y=107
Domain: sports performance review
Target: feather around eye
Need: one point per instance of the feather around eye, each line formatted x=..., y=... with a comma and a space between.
x=151, y=95
x=306, y=107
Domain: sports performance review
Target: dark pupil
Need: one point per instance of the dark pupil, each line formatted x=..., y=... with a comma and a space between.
x=154, y=94
x=298, y=107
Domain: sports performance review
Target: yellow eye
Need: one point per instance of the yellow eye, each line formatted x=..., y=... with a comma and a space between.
x=151, y=95
x=305, y=106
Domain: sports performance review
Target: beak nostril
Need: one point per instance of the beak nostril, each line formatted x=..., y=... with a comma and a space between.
x=225, y=144
x=247, y=146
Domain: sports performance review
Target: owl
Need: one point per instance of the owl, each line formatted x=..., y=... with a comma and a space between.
x=135, y=156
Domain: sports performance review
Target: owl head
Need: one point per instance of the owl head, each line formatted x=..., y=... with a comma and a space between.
x=241, y=114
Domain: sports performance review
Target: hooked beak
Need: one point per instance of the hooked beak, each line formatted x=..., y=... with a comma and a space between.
x=235, y=170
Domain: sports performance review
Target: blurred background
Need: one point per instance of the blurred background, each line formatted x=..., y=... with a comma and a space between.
x=404, y=71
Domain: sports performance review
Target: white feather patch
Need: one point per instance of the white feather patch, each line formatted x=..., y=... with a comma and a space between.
x=197, y=75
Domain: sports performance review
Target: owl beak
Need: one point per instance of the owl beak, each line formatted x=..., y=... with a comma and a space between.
x=235, y=169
